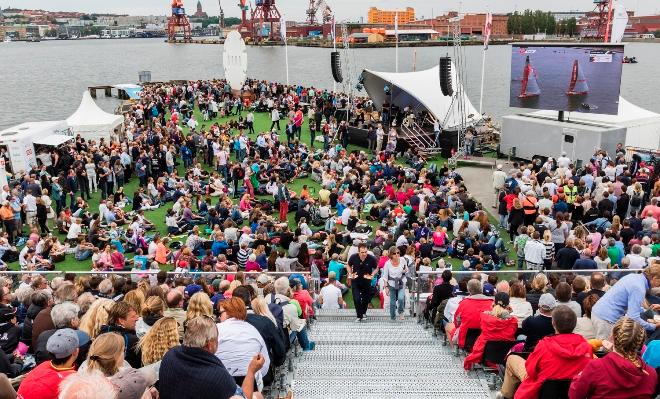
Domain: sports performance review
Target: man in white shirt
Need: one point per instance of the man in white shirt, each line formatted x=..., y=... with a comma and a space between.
x=563, y=161
x=380, y=133
x=74, y=230
x=330, y=296
x=534, y=252
x=30, y=206
x=637, y=261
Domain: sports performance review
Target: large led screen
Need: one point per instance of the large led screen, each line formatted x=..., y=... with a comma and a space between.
x=582, y=78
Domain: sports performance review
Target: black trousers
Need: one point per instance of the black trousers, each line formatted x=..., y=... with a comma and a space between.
x=361, y=298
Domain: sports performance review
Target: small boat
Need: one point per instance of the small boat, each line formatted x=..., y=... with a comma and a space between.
x=578, y=85
x=630, y=60
x=530, y=87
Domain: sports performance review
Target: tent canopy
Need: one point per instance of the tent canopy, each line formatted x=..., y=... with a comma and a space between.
x=53, y=140
x=132, y=91
x=92, y=122
x=421, y=89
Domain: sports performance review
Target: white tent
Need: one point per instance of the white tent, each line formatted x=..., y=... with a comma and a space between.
x=91, y=122
x=642, y=126
x=420, y=88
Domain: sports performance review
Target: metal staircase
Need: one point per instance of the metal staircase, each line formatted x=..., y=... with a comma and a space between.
x=421, y=140
x=379, y=359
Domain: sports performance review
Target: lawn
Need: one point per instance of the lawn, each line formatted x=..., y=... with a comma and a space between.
x=157, y=216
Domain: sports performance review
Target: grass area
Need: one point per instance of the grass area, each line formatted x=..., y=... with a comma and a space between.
x=157, y=216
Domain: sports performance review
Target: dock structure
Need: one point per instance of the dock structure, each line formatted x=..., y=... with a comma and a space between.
x=93, y=89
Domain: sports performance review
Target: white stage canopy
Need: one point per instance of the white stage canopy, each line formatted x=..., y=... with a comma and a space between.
x=91, y=122
x=421, y=88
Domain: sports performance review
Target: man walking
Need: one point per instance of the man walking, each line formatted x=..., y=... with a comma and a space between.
x=499, y=177
x=283, y=198
x=361, y=269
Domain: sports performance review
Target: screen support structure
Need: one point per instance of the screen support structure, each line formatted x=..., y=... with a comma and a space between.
x=560, y=116
x=459, y=93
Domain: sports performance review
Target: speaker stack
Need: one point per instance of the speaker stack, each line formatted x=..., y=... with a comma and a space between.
x=335, y=63
x=445, y=76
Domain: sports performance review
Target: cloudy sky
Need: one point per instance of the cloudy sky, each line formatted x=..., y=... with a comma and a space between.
x=344, y=9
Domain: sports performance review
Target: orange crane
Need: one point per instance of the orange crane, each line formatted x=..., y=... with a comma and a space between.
x=178, y=22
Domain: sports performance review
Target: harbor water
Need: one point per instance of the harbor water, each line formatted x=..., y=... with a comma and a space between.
x=45, y=81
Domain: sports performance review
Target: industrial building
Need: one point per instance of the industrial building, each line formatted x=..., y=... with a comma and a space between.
x=380, y=16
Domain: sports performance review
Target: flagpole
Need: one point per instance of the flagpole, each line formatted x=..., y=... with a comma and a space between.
x=396, y=34
x=334, y=49
x=286, y=55
x=483, y=74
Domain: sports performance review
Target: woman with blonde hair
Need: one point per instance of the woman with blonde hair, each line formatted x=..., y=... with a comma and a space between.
x=549, y=254
x=96, y=316
x=539, y=287
x=199, y=305
x=232, y=287
x=260, y=307
x=163, y=336
x=621, y=373
x=153, y=309
x=135, y=298
x=106, y=355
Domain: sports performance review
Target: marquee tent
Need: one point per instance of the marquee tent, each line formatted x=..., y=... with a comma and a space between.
x=420, y=90
x=91, y=122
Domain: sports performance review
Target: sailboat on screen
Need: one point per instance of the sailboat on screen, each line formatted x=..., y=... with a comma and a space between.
x=530, y=87
x=578, y=85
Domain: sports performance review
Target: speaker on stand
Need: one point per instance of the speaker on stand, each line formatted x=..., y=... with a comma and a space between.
x=445, y=76
x=335, y=64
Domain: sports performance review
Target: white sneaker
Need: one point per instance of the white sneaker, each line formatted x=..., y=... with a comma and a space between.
x=358, y=320
x=499, y=395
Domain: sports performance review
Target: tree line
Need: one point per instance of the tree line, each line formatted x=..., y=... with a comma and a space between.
x=536, y=21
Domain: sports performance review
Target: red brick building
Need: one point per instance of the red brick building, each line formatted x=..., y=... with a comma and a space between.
x=471, y=24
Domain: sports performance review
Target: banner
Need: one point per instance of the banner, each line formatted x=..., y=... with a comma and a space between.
x=488, y=29
x=283, y=28
x=333, y=31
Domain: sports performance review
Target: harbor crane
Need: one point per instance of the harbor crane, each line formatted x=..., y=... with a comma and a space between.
x=316, y=6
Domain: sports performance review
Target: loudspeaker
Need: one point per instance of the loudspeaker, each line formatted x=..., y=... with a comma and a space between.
x=445, y=76
x=335, y=63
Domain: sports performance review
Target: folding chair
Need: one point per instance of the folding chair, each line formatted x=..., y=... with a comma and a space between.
x=495, y=353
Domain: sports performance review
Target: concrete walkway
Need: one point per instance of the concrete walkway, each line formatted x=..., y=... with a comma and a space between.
x=479, y=182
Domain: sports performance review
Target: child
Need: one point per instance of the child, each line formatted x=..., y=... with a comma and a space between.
x=9, y=331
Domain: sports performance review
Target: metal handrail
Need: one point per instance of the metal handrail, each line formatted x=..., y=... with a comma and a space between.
x=418, y=281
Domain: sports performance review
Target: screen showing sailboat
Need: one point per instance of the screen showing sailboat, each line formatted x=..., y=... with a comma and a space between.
x=566, y=77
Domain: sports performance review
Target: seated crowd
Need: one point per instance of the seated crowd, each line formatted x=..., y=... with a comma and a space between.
x=225, y=330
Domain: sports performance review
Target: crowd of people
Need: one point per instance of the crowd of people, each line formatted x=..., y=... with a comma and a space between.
x=378, y=224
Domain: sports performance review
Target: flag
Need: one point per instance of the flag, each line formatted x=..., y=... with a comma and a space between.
x=333, y=31
x=396, y=25
x=283, y=28
x=488, y=29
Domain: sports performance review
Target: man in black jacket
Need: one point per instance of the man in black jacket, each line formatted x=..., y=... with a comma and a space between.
x=273, y=336
x=440, y=293
x=204, y=374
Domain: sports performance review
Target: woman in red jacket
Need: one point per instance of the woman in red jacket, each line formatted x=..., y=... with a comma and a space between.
x=496, y=325
x=621, y=373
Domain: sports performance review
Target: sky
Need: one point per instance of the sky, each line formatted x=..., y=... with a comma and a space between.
x=350, y=10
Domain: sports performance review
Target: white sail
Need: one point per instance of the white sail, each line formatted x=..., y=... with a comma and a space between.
x=619, y=22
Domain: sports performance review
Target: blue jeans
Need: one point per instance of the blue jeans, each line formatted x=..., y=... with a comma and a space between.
x=397, y=296
x=303, y=339
x=497, y=242
x=503, y=221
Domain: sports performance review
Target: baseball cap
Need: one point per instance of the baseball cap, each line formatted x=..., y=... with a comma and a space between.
x=192, y=289
x=7, y=313
x=547, y=302
x=263, y=279
x=131, y=383
x=502, y=299
x=489, y=289
x=65, y=341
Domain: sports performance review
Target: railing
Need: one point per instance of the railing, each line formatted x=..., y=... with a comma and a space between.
x=418, y=138
x=416, y=295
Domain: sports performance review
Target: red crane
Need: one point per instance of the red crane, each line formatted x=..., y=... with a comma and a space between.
x=265, y=19
x=178, y=22
x=600, y=20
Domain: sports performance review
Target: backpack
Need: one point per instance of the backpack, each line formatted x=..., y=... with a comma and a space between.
x=636, y=200
x=276, y=308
